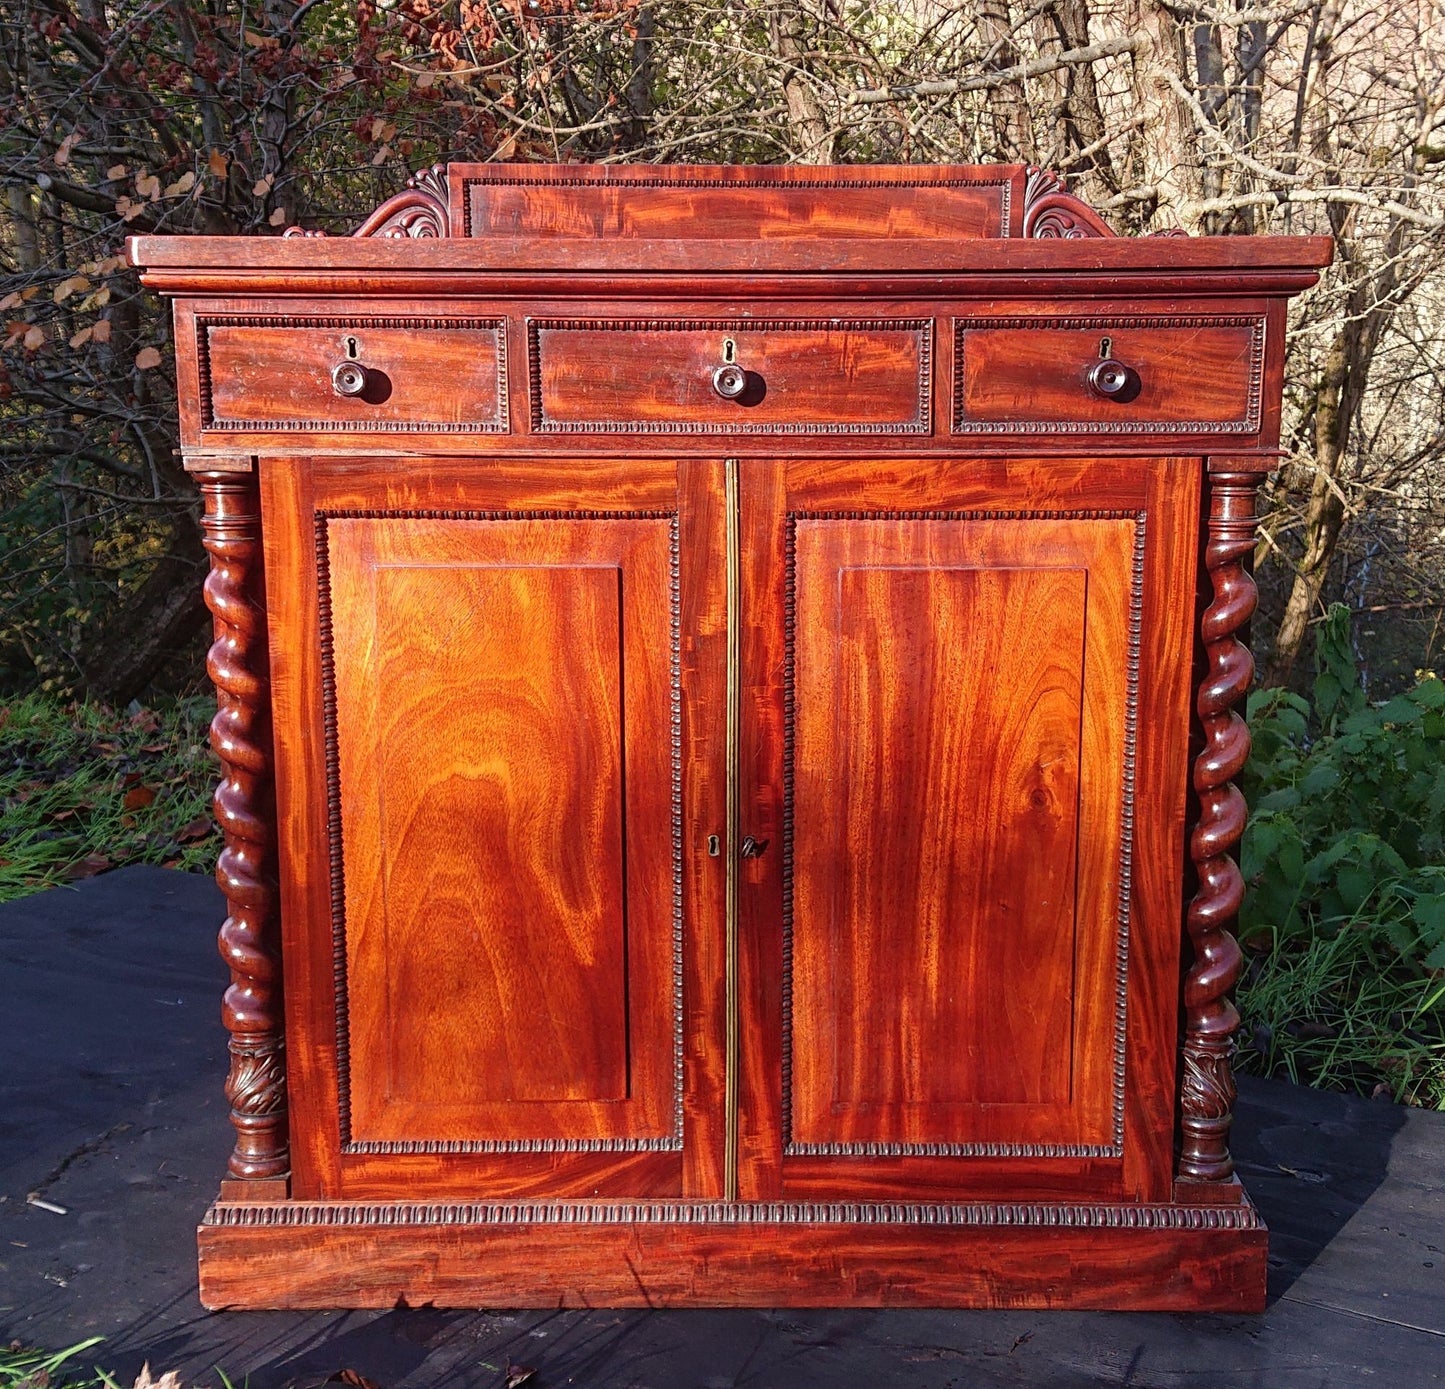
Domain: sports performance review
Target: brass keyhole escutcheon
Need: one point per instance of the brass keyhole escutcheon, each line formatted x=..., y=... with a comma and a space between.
x=730, y=352
x=353, y=348
x=1108, y=378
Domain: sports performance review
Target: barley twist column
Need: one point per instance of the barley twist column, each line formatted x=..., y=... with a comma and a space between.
x=1210, y=1018
x=241, y=736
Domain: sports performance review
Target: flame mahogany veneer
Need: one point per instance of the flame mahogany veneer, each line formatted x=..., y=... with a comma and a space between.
x=727, y=698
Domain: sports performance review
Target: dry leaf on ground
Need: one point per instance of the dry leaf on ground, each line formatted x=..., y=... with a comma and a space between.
x=169, y=1380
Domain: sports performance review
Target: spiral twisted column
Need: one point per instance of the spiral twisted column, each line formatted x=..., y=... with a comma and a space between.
x=1210, y=1018
x=241, y=736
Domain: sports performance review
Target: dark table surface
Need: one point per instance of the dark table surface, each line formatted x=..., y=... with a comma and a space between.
x=111, y=1108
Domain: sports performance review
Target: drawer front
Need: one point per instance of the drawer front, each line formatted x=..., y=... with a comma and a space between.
x=383, y=375
x=1180, y=375
x=825, y=376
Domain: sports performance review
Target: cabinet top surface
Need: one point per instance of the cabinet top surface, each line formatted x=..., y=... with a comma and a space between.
x=700, y=220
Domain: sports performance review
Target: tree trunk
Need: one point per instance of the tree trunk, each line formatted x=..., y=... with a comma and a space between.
x=1324, y=520
x=22, y=221
x=1012, y=120
x=812, y=141
x=157, y=620
x=1083, y=116
x=1167, y=148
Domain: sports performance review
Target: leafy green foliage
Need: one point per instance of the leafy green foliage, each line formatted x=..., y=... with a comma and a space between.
x=1345, y=858
x=84, y=789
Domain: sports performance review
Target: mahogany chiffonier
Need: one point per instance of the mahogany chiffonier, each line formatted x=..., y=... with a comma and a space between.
x=727, y=708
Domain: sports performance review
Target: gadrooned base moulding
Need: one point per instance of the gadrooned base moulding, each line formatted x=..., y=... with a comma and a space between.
x=714, y=1254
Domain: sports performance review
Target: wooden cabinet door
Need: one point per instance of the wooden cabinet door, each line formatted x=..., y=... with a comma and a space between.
x=967, y=746
x=485, y=947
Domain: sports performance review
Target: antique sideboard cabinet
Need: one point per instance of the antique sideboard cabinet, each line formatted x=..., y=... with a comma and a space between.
x=728, y=687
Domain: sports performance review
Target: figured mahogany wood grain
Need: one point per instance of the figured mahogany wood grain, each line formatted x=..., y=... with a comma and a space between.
x=1215, y=1268
x=999, y=490
x=740, y=428
x=1188, y=375
x=503, y=714
x=612, y=203
x=423, y=374
x=933, y=693
x=963, y=749
x=960, y=713
x=803, y=376
x=583, y=266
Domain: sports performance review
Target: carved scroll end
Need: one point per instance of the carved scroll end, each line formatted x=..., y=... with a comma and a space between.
x=419, y=212
x=1053, y=213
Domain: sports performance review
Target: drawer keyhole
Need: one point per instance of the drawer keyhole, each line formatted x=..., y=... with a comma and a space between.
x=353, y=349
x=1106, y=348
x=730, y=352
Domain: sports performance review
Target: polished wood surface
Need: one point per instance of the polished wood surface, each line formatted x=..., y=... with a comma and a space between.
x=276, y=373
x=1210, y=1018
x=720, y=203
x=1200, y=375
x=706, y=662
x=831, y=382
x=510, y=676
x=798, y=377
x=1154, y=504
x=956, y=717
x=373, y=1263
x=241, y=739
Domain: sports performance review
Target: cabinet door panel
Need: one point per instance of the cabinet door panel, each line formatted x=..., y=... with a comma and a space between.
x=948, y=702
x=503, y=716
x=959, y=696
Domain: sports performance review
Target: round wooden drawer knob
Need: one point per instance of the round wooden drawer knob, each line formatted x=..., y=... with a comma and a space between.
x=348, y=378
x=1109, y=378
x=730, y=381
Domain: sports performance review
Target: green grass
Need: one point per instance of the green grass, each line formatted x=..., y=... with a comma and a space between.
x=1341, y=1012
x=44, y=1369
x=84, y=789
x=23, y=1368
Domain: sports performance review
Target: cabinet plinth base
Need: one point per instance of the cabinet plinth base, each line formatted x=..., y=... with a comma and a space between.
x=656, y=1254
